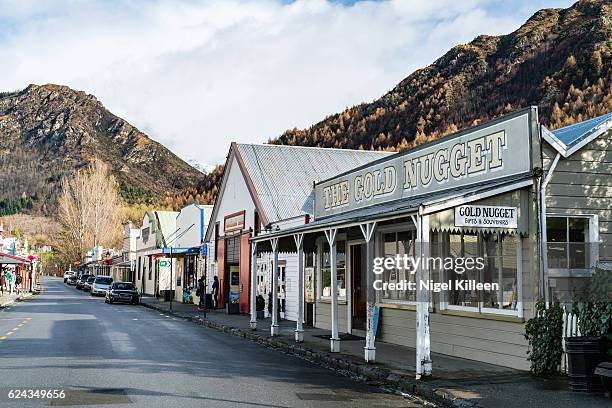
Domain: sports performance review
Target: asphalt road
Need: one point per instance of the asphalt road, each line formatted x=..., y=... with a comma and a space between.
x=123, y=355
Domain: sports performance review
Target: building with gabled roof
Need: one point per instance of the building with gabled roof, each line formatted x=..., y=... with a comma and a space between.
x=265, y=187
x=534, y=205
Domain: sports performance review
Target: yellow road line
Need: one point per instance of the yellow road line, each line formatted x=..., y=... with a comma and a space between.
x=14, y=329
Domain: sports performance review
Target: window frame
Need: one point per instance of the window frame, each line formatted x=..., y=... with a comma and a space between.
x=320, y=244
x=379, y=252
x=593, y=237
x=481, y=309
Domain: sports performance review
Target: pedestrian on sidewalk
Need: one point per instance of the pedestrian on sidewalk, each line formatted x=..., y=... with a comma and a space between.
x=215, y=292
x=200, y=292
x=9, y=281
x=2, y=282
x=18, y=281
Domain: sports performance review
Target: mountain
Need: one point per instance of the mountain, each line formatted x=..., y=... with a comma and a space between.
x=50, y=131
x=559, y=60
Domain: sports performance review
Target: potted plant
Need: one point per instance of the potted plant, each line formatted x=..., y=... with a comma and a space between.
x=594, y=345
x=260, y=304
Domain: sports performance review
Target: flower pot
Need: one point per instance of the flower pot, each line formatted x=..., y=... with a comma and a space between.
x=583, y=355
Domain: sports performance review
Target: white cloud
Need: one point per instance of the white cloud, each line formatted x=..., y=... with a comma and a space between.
x=196, y=75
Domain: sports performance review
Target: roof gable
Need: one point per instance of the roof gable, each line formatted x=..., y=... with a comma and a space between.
x=282, y=177
x=569, y=139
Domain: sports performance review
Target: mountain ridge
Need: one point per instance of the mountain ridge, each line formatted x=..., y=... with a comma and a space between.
x=559, y=60
x=49, y=131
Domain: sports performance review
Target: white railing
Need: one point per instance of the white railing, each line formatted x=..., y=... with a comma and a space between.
x=570, y=329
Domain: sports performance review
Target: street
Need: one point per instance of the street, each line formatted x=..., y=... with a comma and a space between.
x=123, y=355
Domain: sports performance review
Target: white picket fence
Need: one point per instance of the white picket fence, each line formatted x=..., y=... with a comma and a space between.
x=570, y=329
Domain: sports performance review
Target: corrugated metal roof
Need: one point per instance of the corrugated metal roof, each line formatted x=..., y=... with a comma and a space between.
x=167, y=224
x=572, y=134
x=283, y=176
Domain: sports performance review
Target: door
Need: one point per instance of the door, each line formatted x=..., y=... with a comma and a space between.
x=358, y=288
x=245, y=273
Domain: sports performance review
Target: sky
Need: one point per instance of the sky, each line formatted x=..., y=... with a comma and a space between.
x=197, y=75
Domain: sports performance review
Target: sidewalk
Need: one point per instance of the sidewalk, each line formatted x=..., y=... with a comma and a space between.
x=7, y=299
x=456, y=382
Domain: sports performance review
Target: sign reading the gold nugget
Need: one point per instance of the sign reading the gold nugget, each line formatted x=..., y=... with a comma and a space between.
x=465, y=159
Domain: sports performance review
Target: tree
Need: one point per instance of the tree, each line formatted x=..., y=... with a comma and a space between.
x=89, y=211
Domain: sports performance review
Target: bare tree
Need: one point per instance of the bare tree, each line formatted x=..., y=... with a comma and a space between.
x=89, y=210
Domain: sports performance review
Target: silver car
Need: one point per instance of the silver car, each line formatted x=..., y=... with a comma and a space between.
x=100, y=285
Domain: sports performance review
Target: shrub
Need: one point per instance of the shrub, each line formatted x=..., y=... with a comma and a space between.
x=544, y=333
x=595, y=308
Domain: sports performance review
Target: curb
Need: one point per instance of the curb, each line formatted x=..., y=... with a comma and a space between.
x=378, y=375
x=19, y=298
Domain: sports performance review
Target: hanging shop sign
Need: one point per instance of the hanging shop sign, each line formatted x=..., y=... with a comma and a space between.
x=486, y=216
x=164, y=273
x=234, y=222
x=496, y=150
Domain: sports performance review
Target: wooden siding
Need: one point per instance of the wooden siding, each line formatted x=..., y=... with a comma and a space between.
x=582, y=184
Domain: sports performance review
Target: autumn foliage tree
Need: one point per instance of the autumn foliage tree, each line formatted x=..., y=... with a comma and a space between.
x=89, y=211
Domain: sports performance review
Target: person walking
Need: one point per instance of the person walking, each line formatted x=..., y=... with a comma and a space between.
x=18, y=281
x=215, y=292
x=200, y=292
x=2, y=282
x=9, y=281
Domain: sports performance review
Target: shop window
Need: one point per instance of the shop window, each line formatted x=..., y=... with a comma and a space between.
x=498, y=255
x=568, y=242
x=325, y=287
x=398, y=243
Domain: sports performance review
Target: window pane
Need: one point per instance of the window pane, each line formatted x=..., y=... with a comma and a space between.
x=405, y=244
x=463, y=246
x=340, y=269
x=491, y=271
x=509, y=272
x=578, y=247
x=578, y=229
x=556, y=229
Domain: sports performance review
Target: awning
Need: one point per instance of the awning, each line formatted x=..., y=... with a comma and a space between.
x=430, y=204
x=181, y=251
x=7, y=259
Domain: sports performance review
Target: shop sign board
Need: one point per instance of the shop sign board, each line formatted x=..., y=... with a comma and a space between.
x=496, y=150
x=164, y=272
x=234, y=222
x=486, y=216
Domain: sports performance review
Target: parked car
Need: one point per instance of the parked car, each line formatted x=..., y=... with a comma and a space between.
x=81, y=281
x=122, y=292
x=68, y=274
x=72, y=280
x=88, y=283
x=100, y=285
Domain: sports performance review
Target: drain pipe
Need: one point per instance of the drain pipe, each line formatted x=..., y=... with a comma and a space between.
x=543, y=234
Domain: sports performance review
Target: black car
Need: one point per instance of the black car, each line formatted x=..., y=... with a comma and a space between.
x=122, y=292
x=72, y=280
x=82, y=280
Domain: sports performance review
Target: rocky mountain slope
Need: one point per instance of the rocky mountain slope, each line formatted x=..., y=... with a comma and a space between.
x=49, y=131
x=559, y=60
